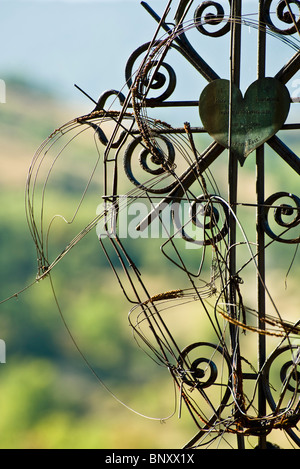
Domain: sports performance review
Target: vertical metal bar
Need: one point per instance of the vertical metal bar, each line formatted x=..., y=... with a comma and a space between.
x=235, y=60
x=260, y=191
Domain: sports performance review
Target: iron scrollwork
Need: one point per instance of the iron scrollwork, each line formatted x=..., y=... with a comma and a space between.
x=284, y=14
x=211, y=18
x=204, y=213
x=162, y=76
x=281, y=380
x=160, y=160
x=286, y=216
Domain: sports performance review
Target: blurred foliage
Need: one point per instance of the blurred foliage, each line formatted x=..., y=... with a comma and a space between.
x=52, y=395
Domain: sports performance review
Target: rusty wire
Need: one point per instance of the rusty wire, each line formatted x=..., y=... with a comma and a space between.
x=201, y=370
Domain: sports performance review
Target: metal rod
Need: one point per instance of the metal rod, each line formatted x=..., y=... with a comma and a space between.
x=286, y=153
x=235, y=58
x=185, y=48
x=260, y=191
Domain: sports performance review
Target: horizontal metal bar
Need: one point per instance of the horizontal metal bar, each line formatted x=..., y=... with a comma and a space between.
x=172, y=103
x=152, y=103
x=291, y=126
x=176, y=130
x=250, y=375
x=202, y=130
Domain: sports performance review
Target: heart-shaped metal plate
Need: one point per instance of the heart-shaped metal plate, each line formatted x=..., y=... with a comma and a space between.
x=253, y=119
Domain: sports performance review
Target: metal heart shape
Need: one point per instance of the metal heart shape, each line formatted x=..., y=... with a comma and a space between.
x=254, y=118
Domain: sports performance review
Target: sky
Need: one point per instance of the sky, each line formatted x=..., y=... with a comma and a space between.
x=65, y=42
x=60, y=43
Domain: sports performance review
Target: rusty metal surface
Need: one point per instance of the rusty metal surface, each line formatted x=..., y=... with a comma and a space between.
x=256, y=117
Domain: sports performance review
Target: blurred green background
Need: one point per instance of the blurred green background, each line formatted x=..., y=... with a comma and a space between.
x=50, y=397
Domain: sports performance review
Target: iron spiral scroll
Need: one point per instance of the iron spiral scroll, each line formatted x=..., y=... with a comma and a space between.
x=174, y=170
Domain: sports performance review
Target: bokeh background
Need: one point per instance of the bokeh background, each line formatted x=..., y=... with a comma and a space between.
x=49, y=395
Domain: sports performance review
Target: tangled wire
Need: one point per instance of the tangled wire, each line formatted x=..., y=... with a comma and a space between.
x=176, y=183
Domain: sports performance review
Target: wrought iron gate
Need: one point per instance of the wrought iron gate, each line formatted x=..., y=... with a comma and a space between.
x=176, y=172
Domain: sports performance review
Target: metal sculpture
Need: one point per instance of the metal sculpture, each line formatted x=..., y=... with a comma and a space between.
x=223, y=390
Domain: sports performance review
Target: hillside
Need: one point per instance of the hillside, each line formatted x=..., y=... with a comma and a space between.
x=67, y=340
x=50, y=396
